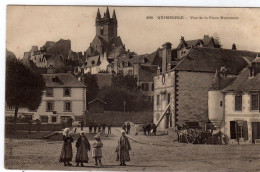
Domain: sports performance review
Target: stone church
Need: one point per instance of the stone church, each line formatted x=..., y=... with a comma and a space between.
x=106, y=39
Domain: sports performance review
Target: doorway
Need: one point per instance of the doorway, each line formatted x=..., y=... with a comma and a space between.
x=255, y=131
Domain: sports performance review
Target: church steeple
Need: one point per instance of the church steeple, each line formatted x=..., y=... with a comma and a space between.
x=114, y=14
x=107, y=14
x=98, y=14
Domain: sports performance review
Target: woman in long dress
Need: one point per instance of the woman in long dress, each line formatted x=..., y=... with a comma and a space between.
x=97, y=152
x=66, y=151
x=83, y=147
x=123, y=149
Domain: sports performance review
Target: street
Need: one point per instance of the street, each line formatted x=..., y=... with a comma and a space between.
x=44, y=155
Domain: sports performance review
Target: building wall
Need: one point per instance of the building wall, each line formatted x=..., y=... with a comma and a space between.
x=162, y=90
x=78, y=107
x=245, y=115
x=192, y=96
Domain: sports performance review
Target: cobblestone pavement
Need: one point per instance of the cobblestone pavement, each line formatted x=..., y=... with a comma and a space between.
x=44, y=155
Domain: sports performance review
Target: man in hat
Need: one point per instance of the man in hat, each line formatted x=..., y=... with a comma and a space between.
x=123, y=149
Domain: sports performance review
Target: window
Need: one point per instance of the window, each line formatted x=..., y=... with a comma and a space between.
x=158, y=99
x=49, y=92
x=238, y=129
x=44, y=119
x=152, y=86
x=49, y=107
x=254, y=102
x=221, y=103
x=67, y=106
x=238, y=103
x=66, y=92
x=54, y=119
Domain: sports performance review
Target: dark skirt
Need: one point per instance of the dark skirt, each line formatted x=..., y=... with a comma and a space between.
x=66, y=152
x=123, y=155
x=82, y=154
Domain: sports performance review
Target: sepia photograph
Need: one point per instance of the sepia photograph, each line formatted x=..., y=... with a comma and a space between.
x=132, y=88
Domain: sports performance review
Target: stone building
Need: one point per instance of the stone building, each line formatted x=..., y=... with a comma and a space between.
x=53, y=54
x=181, y=88
x=106, y=39
x=235, y=109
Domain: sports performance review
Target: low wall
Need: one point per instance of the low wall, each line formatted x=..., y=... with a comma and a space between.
x=25, y=126
x=116, y=118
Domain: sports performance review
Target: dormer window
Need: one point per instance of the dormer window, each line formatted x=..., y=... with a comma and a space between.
x=66, y=92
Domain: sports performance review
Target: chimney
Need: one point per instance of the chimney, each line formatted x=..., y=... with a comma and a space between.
x=166, y=56
x=158, y=70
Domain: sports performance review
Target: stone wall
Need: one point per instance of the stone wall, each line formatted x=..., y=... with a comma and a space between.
x=116, y=118
x=192, y=96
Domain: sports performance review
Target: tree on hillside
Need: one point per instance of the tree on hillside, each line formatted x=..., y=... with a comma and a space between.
x=115, y=96
x=92, y=86
x=128, y=81
x=24, y=88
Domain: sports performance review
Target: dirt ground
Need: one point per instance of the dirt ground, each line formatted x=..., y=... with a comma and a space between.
x=36, y=154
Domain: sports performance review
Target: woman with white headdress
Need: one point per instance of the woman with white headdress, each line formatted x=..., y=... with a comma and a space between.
x=97, y=152
x=83, y=147
x=66, y=151
x=123, y=149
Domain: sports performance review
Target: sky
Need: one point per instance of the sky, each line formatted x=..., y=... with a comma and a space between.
x=34, y=25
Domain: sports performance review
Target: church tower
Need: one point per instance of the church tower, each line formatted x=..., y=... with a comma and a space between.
x=106, y=27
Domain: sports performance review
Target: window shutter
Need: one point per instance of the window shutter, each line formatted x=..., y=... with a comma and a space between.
x=245, y=128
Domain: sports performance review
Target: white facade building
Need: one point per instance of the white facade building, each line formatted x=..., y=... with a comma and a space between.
x=64, y=98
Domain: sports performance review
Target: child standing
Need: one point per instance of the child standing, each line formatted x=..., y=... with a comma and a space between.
x=97, y=152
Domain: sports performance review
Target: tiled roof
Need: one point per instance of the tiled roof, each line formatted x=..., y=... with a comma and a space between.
x=93, y=61
x=62, y=80
x=244, y=82
x=219, y=82
x=97, y=99
x=212, y=59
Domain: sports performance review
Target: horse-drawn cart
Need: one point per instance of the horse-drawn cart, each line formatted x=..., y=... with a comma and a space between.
x=191, y=132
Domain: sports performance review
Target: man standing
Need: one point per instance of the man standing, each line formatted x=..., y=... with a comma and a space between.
x=90, y=128
x=124, y=127
x=103, y=128
x=108, y=128
x=82, y=124
x=123, y=149
x=128, y=127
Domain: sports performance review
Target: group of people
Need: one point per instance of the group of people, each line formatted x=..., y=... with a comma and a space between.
x=149, y=129
x=100, y=128
x=126, y=127
x=96, y=127
x=83, y=147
